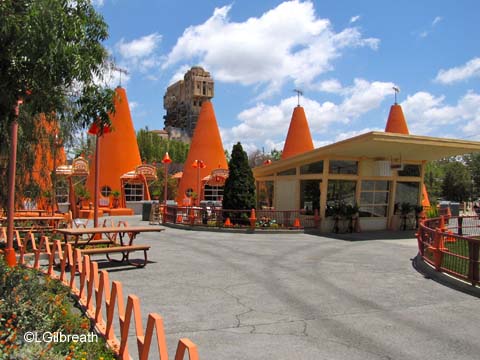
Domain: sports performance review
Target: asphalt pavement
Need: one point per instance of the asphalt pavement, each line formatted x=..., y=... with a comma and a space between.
x=299, y=296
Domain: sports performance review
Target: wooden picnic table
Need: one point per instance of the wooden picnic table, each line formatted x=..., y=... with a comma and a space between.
x=113, y=246
x=32, y=223
x=40, y=212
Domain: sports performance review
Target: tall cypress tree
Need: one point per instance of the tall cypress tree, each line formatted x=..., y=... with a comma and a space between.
x=239, y=192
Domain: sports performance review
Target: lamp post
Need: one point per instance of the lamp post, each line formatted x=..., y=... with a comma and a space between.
x=95, y=130
x=166, y=161
x=198, y=164
x=9, y=250
x=56, y=145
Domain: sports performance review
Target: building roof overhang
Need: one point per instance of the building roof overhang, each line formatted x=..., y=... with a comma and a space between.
x=380, y=146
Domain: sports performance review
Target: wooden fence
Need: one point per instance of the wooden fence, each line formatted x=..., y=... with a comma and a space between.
x=97, y=297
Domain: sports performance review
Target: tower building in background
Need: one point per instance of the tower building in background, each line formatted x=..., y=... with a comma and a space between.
x=183, y=100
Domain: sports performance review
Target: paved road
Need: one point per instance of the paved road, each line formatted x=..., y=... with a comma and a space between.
x=299, y=296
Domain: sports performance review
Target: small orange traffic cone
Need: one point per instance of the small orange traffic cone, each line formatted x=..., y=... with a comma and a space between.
x=227, y=222
x=296, y=223
x=179, y=218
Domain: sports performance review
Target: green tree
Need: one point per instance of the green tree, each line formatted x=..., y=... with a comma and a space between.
x=457, y=182
x=473, y=164
x=434, y=173
x=152, y=147
x=239, y=191
x=51, y=53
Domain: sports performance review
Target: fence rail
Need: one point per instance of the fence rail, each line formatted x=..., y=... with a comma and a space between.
x=253, y=219
x=97, y=297
x=451, y=245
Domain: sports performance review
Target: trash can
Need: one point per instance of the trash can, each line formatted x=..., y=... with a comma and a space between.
x=146, y=209
x=455, y=208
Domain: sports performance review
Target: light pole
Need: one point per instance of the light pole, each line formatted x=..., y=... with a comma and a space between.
x=9, y=250
x=56, y=145
x=198, y=164
x=166, y=161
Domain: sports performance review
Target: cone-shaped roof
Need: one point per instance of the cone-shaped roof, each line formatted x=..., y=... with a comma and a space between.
x=425, y=199
x=396, y=121
x=118, y=151
x=298, y=139
x=207, y=146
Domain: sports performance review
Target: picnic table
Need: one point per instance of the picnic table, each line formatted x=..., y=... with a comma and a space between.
x=38, y=224
x=115, y=241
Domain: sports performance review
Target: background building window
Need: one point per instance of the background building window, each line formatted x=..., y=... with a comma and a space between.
x=265, y=194
x=133, y=192
x=407, y=192
x=310, y=196
x=312, y=168
x=374, y=198
x=343, y=167
x=340, y=192
x=288, y=172
x=106, y=190
x=410, y=170
x=213, y=193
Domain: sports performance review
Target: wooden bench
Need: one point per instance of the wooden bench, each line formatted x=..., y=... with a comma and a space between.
x=125, y=250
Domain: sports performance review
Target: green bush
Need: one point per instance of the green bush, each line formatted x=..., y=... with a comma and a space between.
x=33, y=302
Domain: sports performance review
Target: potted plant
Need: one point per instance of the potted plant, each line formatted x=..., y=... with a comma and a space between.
x=116, y=199
x=82, y=194
x=405, y=209
x=351, y=213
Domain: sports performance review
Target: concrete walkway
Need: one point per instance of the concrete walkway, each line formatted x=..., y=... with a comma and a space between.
x=299, y=296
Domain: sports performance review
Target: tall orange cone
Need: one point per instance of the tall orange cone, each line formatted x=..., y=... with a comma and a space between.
x=253, y=219
x=396, y=121
x=227, y=222
x=299, y=139
x=206, y=146
x=119, y=152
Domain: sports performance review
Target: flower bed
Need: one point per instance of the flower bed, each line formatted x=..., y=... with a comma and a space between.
x=32, y=303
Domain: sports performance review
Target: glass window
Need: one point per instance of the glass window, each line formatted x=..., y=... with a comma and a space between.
x=343, y=167
x=265, y=191
x=213, y=193
x=133, y=192
x=287, y=172
x=105, y=190
x=310, y=196
x=374, y=198
x=407, y=192
x=61, y=189
x=410, y=170
x=340, y=192
x=313, y=168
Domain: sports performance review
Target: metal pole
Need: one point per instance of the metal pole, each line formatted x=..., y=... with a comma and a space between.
x=95, y=189
x=10, y=251
x=198, y=184
x=54, y=174
x=166, y=185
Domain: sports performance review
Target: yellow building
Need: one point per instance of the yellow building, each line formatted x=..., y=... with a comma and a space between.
x=378, y=171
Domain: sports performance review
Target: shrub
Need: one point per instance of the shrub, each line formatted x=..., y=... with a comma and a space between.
x=33, y=302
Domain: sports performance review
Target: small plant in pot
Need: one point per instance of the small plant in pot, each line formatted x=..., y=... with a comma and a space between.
x=82, y=194
x=116, y=199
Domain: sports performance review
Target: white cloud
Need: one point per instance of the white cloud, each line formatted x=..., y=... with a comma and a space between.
x=140, y=54
x=179, y=74
x=464, y=72
x=354, y=19
x=286, y=43
x=139, y=48
x=268, y=124
x=426, y=114
x=330, y=86
x=436, y=20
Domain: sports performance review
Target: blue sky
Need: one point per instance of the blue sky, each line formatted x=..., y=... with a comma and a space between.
x=345, y=55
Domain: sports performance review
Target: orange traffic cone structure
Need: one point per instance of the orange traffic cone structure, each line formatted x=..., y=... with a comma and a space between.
x=396, y=121
x=179, y=218
x=253, y=219
x=296, y=223
x=227, y=222
x=206, y=146
x=299, y=139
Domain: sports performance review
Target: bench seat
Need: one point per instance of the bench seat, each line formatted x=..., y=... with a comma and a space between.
x=125, y=250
